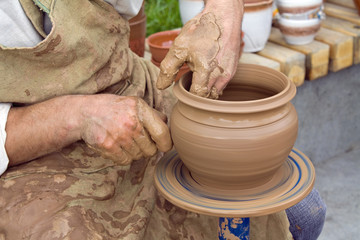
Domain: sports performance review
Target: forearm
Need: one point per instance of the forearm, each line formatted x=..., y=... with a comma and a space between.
x=231, y=11
x=42, y=128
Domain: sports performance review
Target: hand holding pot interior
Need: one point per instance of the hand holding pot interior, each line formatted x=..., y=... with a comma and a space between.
x=210, y=44
x=123, y=128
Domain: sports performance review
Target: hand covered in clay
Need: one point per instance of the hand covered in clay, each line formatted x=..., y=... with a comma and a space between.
x=124, y=128
x=210, y=44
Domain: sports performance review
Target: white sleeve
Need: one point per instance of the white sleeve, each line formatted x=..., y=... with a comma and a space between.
x=4, y=160
x=126, y=8
x=16, y=30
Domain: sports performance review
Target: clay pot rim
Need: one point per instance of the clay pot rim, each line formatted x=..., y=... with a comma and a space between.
x=155, y=35
x=259, y=3
x=292, y=4
x=264, y=104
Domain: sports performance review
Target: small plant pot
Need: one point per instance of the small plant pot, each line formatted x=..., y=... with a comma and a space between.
x=299, y=32
x=160, y=43
x=184, y=69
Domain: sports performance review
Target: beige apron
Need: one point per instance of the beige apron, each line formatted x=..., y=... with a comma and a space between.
x=75, y=193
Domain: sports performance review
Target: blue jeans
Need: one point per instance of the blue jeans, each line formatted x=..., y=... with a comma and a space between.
x=307, y=218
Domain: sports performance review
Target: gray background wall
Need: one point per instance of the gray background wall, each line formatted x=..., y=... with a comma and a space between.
x=329, y=134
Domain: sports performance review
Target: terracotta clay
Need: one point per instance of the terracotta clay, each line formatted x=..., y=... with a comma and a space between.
x=357, y=4
x=160, y=42
x=138, y=32
x=242, y=139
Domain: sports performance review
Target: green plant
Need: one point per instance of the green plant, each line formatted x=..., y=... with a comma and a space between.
x=162, y=15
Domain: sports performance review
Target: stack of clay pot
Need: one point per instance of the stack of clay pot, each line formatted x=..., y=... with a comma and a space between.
x=256, y=23
x=299, y=20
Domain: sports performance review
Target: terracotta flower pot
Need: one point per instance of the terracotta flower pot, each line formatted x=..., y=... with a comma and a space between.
x=138, y=33
x=184, y=69
x=242, y=139
x=160, y=42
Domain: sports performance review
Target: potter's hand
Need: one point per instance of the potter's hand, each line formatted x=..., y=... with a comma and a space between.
x=123, y=128
x=210, y=44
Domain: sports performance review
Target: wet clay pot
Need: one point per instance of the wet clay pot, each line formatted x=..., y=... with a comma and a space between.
x=138, y=33
x=242, y=139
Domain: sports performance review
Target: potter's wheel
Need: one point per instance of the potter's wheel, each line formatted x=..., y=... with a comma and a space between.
x=293, y=182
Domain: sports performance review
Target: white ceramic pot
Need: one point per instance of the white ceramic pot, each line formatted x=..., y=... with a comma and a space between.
x=256, y=24
x=189, y=9
x=299, y=32
x=297, y=6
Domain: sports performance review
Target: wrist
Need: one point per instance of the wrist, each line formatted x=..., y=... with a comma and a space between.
x=41, y=128
x=73, y=117
x=229, y=13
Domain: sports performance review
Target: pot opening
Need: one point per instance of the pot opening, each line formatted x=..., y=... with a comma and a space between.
x=237, y=92
x=253, y=88
x=245, y=90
